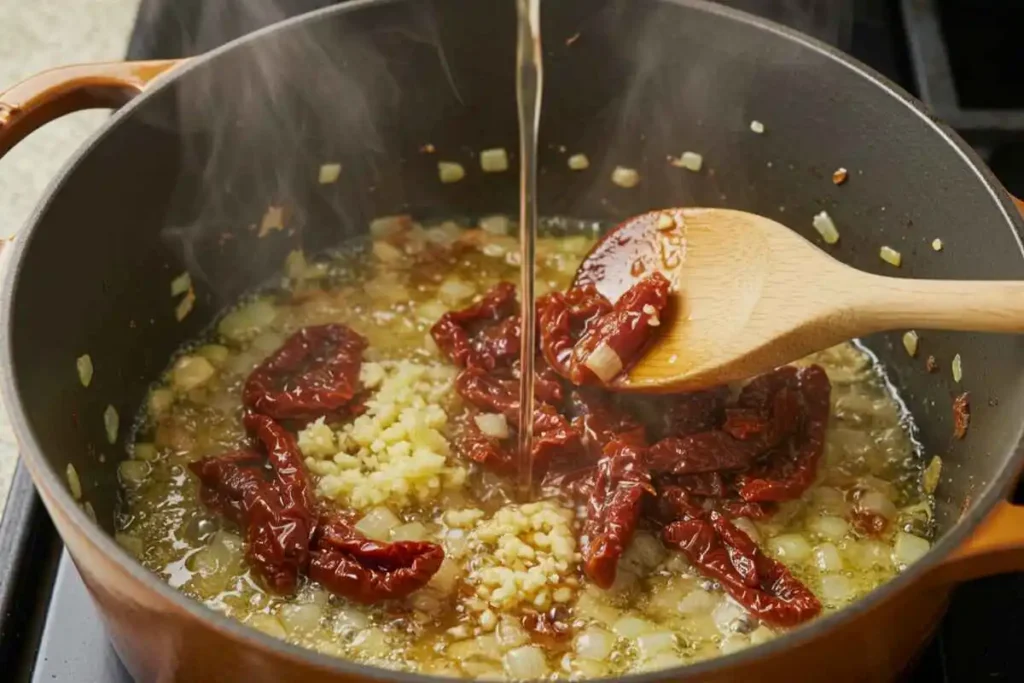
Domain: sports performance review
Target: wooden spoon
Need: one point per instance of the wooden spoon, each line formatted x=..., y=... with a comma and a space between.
x=751, y=295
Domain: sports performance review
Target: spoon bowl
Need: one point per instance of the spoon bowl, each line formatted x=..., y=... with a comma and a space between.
x=749, y=294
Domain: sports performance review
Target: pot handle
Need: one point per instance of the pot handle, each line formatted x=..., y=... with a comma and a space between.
x=51, y=94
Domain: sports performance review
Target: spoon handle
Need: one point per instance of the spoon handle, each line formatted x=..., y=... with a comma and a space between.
x=887, y=303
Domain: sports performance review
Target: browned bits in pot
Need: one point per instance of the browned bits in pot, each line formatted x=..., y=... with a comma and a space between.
x=839, y=176
x=931, y=365
x=961, y=415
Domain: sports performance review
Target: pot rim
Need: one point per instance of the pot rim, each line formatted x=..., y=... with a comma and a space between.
x=49, y=480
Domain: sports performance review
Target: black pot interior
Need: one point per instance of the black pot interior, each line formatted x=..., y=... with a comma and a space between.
x=181, y=182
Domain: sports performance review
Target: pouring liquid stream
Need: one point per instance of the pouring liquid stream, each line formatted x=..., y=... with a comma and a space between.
x=529, y=85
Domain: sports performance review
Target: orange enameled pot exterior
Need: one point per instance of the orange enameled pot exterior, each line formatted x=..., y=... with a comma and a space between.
x=161, y=637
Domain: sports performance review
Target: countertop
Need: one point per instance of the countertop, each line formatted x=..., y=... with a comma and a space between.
x=35, y=36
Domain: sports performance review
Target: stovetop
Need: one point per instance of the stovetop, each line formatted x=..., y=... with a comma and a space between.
x=954, y=55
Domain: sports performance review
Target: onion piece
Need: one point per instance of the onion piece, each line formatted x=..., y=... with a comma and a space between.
x=604, y=362
x=84, y=366
x=931, y=474
x=908, y=549
x=757, y=127
x=450, y=171
x=878, y=503
x=492, y=424
x=836, y=588
x=579, y=162
x=133, y=473
x=957, y=368
x=378, y=524
x=631, y=627
x=910, y=339
x=494, y=160
x=191, y=372
x=625, y=177
x=937, y=244
x=890, y=256
x=595, y=643
x=495, y=225
x=526, y=663
x=74, y=483
x=651, y=644
x=111, y=423
x=823, y=223
x=181, y=284
x=827, y=558
x=329, y=173
x=691, y=161
x=300, y=619
x=790, y=547
x=697, y=601
x=830, y=527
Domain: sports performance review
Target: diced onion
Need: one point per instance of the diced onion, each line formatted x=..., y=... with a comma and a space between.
x=631, y=627
x=910, y=342
x=273, y=219
x=413, y=531
x=829, y=526
x=144, y=451
x=526, y=663
x=625, y=177
x=387, y=226
x=267, y=624
x=511, y=634
x=191, y=372
x=734, y=643
x=890, y=256
x=908, y=549
x=329, y=173
x=651, y=644
x=878, y=503
x=215, y=353
x=604, y=362
x=450, y=171
x=492, y=424
x=790, y=547
x=869, y=554
x=837, y=588
x=300, y=619
x=762, y=634
x=349, y=620
x=74, y=483
x=372, y=642
x=446, y=578
x=160, y=401
x=455, y=290
x=181, y=284
x=495, y=225
x=691, y=161
x=248, y=320
x=957, y=368
x=937, y=244
x=757, y=127
x=387, y=253
x=595, y=643
x=84, y=366
x=378, y=523
x=579, y=162
x=494, y=160
x=827, y=558
x=132, y=544
x=184, y=306
x=930, y=477
x=111, y=423
x=697, y=601
x=726, y=615
x=823, y=223
x=133, y=472
x=666, y=660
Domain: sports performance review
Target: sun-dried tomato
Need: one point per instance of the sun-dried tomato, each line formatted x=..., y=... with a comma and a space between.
x=483, y=335
x=685, y=414
x=725, y=553
x=704, y=452
x=314, y=374
x=614, y=509
x=961, y=415
x=493, y=393
x=277, y=532
x=554, y=440
x=284, y=455
x=788, y=471
x=562, y=317
x=599, y=421
x=616, y=339
x=348, y=564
